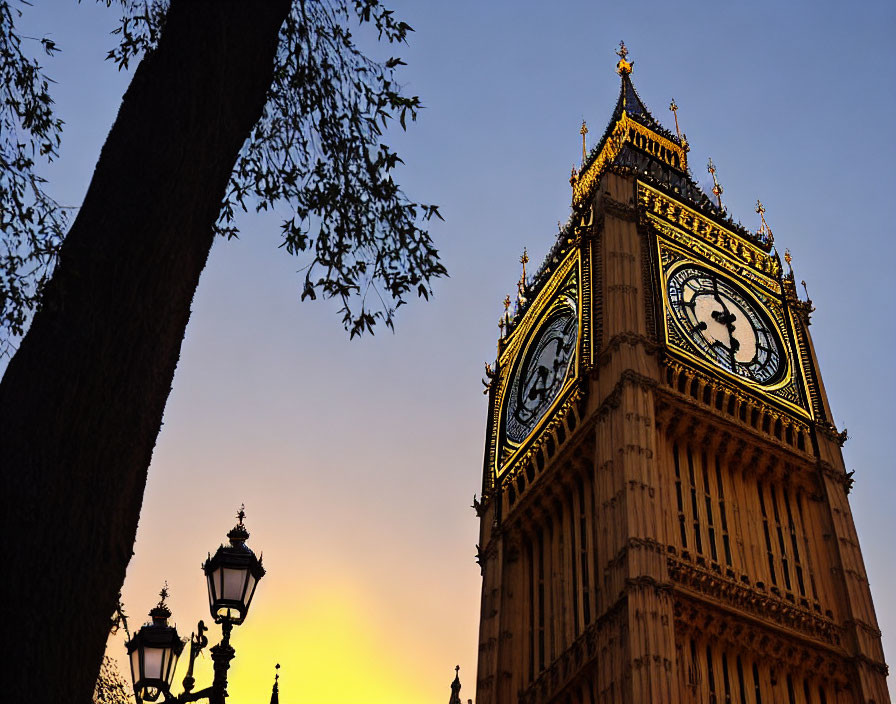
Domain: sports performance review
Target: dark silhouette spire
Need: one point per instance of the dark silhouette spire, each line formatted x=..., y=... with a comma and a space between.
x=455, y=687
x=275, y=691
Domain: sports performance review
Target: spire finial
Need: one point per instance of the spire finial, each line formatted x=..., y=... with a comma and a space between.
x=583, y=131
x=455, y=687
x=241, y=514
x=521, y=286
x=504, y=322
x=674, y=108
x=624, y=67
x=764, y=232
x=275, y=690
x=716, y=187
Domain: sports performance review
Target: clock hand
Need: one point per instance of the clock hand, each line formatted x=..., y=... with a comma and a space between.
x=727, y=318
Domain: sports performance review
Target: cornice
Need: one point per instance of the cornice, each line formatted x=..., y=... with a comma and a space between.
x=625, y=338
x=752, y=603
x=766, y=641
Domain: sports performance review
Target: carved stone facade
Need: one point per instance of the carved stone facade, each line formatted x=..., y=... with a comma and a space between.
x=672, y=529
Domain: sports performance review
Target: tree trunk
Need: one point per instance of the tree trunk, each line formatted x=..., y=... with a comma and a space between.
x=81, y=402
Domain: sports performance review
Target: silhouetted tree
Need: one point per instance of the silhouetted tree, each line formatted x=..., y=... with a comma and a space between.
x=233, y=105
x=111, y=686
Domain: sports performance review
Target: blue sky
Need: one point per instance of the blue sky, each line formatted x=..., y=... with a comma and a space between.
x=358, y=461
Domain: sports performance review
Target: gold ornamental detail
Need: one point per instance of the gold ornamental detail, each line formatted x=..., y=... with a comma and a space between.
x=645, y=139
x=698, y=246
x=516, y=338
x=514, y=461
x=657, y=205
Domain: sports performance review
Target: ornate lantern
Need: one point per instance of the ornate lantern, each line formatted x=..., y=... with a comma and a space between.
x=232, y=576
x=153, y=652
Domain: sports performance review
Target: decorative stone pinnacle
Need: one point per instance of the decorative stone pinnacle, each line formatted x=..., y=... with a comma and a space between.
x=506, y=302
x=521, y=286
x=583, y=131
x=241, y=514
x=716, y=188
x=624, y=67
x=765, y=232
x=674, y=108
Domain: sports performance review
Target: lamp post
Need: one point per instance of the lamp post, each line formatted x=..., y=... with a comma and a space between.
x=232, y=576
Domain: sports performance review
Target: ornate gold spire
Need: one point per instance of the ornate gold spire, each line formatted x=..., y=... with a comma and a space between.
x=764, y=231
x=583, y=132
x=716, y=187
x=674, y=108
x=624, y=67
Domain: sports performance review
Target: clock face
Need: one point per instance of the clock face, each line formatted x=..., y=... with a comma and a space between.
x=540, y=375
x=725, y=324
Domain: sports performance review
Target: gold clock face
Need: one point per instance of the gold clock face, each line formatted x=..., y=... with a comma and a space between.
x=726, y=324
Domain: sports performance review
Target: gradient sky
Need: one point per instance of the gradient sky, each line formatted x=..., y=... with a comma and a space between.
x=357, y=461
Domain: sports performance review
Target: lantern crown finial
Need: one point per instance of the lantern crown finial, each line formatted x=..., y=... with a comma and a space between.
x=160, y=613
x=238, y=534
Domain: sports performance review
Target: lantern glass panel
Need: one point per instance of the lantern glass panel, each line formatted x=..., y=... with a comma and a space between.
x=250, y=587
x=135, y=665
x=153, y=659
x=212, y=583
x=234, y=580
x=170, y=666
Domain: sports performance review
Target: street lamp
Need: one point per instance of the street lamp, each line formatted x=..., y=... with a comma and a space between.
x=232, y=576
x=153, y=653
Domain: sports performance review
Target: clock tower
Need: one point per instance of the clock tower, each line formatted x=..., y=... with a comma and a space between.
x=664, y=512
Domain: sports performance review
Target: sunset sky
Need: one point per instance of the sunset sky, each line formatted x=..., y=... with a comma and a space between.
x=357, y=461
